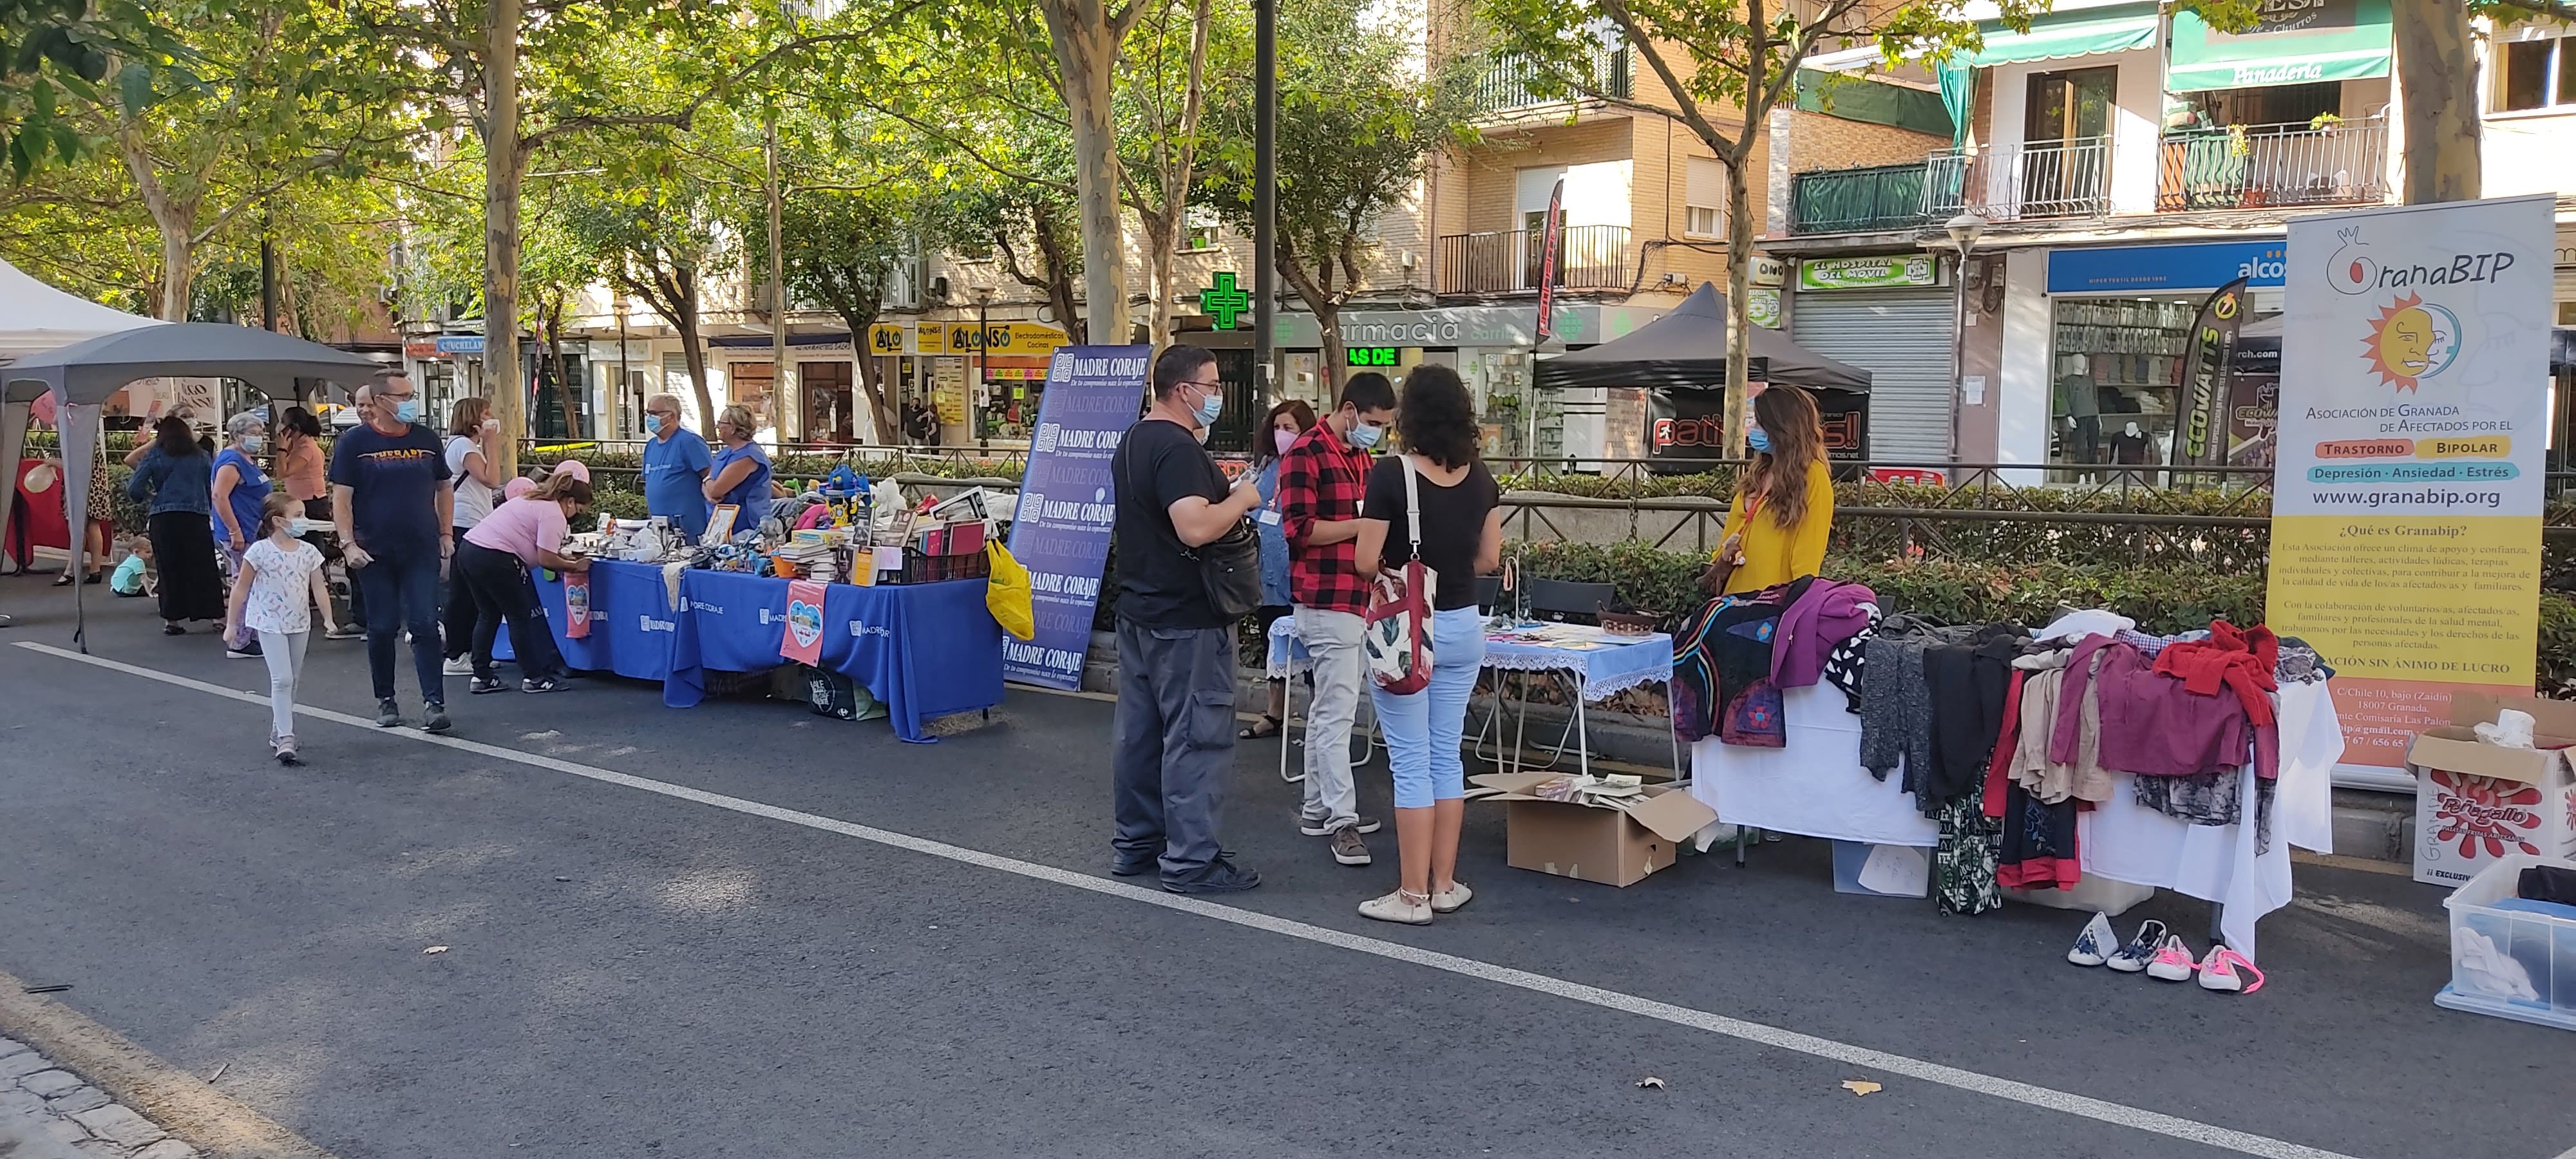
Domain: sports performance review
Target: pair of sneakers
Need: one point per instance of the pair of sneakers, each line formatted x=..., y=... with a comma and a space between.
x=2161, y=954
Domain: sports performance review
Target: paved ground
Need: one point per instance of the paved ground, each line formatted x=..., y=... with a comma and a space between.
x=47, y=1112
x=744, y=951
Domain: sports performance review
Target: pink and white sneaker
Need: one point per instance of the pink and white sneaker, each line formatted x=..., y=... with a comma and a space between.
x=2172, y=962
x=2218, y=971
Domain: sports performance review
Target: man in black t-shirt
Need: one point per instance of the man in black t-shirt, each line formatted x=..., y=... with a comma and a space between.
x=1176, y=655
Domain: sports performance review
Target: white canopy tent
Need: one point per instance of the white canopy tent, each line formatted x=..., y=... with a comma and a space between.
x=35, y=318
x=84, y=375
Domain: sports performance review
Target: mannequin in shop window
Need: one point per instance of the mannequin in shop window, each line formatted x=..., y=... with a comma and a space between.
x=1784, y=501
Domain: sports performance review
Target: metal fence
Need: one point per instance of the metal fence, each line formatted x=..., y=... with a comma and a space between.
x=1515, y=82
x=2070, y=178
x=1869, y=198
x=1589, y=257
x=2252, y=166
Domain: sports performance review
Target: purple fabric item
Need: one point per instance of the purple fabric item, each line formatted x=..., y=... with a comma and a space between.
x=1830, y=613
x=2151, y=725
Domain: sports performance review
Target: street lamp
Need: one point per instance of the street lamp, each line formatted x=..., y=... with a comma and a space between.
x=983, y=355
x=1964, y=231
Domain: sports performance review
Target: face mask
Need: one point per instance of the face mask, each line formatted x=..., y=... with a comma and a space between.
x=1210, y=407
x=407, y=410
x=1366, y=435
x=251, y=444
x=1758, y=439
x=1284, y=439
x=652, y=424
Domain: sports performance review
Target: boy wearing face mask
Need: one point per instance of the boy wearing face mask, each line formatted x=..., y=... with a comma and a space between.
x=1175, y=723
x=393, y=508
x=1322, y=478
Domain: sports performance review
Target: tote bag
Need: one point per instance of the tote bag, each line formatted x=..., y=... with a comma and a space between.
x=1398, y=640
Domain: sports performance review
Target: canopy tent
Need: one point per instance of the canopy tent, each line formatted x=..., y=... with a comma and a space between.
x=35, y=317
x=84, y=375
x=1686, y=349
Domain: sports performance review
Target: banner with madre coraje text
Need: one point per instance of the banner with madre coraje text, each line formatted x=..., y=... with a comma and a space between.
x=2414, y=413
x=1068, y=504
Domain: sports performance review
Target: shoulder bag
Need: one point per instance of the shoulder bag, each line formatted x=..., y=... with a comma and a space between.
x=1398, y=639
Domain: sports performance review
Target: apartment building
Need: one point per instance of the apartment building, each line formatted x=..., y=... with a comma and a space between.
x=2109, y=168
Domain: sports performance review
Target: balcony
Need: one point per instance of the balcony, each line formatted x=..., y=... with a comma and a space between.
x=2039, y=179
x=1590, y=257
x=2259, y=166
x=1877, y=197
x=1509, y=83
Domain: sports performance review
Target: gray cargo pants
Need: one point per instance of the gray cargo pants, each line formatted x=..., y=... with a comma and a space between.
x=1175, y=744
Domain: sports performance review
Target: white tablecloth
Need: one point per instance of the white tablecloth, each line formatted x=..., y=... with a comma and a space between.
x=1607, y=671
x=1816, y=787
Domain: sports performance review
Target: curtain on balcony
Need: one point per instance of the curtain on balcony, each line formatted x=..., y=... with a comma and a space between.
x=2336, y=40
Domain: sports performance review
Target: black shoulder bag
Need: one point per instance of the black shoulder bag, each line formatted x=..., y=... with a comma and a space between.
x=1231, y=570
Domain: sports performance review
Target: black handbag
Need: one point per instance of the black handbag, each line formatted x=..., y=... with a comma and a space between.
x=1231, y=570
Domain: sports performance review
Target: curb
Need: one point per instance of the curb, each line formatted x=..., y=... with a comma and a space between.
x=181, y=1103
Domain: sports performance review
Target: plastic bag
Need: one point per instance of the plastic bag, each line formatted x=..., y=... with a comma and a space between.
x=1008, y=593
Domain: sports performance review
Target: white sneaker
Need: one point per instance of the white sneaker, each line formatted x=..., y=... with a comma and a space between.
x=460, y=666
x=2095, y=945
x=2218, y=971
x=2173, y=961
x=1408, y=909
x=2141, y=949
x=1450, y=900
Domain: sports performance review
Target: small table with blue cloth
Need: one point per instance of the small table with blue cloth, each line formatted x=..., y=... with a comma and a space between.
x=924, y=650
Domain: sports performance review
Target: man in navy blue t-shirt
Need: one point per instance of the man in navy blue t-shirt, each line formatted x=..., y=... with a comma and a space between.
x=391, y=504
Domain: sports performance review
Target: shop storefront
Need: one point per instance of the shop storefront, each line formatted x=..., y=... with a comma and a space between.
x=1895, y=316
x=2105, y=369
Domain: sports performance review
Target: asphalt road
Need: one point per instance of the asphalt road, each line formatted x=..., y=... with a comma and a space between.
x=630, y=973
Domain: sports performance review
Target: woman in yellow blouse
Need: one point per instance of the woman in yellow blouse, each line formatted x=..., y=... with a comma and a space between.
x=1784, y=501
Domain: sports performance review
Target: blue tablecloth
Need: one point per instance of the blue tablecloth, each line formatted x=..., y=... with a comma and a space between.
x=923, y=650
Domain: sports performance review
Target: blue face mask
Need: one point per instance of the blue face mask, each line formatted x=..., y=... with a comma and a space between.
x=408, y=410
x=1210, y=407
x=1366, y=435
x=251, y=444
x=652, y=424
x=1758, y=439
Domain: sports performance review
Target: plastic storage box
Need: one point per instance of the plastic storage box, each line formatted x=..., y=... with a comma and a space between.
x=2511, y=958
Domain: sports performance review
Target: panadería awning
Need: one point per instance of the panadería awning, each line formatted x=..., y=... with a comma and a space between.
x=2294, y=42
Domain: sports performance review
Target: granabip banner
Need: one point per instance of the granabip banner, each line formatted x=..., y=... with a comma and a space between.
x=1068, y=504
x=2413, y=417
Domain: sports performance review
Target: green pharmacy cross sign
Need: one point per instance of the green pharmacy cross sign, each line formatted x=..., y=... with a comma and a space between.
x=1224, y=302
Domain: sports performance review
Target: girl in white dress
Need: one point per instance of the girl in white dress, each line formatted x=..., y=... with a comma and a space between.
x=279, y=586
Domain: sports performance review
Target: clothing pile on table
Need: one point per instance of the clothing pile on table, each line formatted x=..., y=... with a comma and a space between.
x=2005, y=737
x=1734, y=657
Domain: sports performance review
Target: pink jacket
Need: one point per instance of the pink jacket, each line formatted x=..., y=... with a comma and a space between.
x=1829, y=613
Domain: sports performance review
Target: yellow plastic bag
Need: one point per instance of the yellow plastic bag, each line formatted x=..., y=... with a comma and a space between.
x=1007, y=594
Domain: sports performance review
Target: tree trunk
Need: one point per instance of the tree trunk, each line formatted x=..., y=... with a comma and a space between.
x=686, y=320
x=887, y=430
x=1739, y=279
x=173, y=221
x=1163, y=239
x=177, y=271
x=504, y=160
x=2438, y=74
x=1086, y=51
x=564, y=385
x=1059, y=287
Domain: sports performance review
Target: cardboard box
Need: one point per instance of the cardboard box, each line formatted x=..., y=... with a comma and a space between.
x=1610, y=845
x=2476, y=802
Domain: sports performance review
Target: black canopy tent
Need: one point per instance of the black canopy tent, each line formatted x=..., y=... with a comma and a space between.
x=1680, y=359
x=84, y=375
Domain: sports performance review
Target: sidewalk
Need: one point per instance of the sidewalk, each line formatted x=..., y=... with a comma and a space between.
x=47, y=1112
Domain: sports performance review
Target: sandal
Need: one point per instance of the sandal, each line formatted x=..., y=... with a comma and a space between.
x=1266, y=729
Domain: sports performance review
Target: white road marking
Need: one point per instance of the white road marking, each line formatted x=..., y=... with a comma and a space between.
x=2117, y=1114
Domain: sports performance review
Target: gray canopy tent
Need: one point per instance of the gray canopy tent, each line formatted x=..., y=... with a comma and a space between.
x=1686, y=349
x=82, y=377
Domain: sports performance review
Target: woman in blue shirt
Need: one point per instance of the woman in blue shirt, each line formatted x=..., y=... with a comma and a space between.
x=175, y=479
x=741, y=469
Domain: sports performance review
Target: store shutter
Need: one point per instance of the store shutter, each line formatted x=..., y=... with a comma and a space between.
x=1903, y=338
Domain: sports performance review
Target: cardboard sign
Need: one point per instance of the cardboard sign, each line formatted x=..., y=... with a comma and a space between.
x=800, y=638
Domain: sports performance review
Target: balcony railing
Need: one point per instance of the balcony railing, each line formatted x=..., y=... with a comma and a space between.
x=1509, y=83
x=2070, y=178
x=1850, y=200
x=1590, y=257
x=2254, y=166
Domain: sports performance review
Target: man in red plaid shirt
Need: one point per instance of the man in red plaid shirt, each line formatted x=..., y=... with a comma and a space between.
x=1321, y=480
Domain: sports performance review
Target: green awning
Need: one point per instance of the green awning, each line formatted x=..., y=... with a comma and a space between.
x=2306, y=43
x=2073, y=34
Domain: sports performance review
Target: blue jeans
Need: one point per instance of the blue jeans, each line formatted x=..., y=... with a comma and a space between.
x=1424, y=730
x=402, y=593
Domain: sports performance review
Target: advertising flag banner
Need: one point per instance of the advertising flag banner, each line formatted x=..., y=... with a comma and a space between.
x=2202, y=438
x=2406, y=505
x=1552, y=239
x=1068, y=504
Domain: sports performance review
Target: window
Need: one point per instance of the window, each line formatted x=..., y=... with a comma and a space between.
x=1198, y=230
x=2535, y=74
x=1704, y=199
